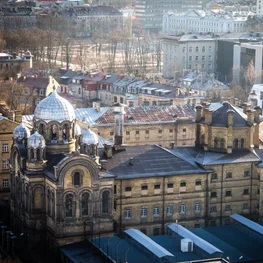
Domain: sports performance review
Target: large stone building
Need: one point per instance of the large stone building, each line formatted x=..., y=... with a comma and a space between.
x=62, y=190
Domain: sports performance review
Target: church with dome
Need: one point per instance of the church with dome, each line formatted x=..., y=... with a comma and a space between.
x=64, y=189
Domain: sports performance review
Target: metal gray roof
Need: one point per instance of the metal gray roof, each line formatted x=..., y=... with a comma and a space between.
x=248, y=223
x=185, y=233
x=148, y=243
x=89, y=115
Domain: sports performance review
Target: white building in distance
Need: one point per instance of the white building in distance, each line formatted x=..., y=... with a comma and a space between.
x=215, y=21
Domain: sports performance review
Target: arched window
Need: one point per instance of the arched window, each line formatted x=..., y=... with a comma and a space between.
x=38, y=155
x=105, y=202
x=69, y=205
x=31, y=154
x=76, y=179
x=52, y=205
x=65, y=132
x=242, y=143
x=54, y=132
x=41, y=129
x=37, y=198
x=235, y=144
x=203, y=139
x=48, y=202
x=222, y=143
x=216, y=143
x=85, y=204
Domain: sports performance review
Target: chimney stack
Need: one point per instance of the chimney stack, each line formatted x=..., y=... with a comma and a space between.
x=230, y=115
x=198, y=113
x=108, y=150
x=172, y=145
x=257, y=114
x=250, y=117
x=18, y=116
x=245, y=107
x=119, y=119
x=103, y=164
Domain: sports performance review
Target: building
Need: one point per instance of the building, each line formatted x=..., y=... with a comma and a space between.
x=200, y=21
x=71, y=191
x=9, y=120
x=244, y=54
x=259, y=7
x=149, y=13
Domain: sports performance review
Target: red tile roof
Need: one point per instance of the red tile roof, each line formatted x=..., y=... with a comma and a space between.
x=150, y=114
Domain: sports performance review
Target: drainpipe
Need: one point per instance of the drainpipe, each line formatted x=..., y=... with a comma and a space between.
x=221, y=203
x=121, y=208
x=163, y=206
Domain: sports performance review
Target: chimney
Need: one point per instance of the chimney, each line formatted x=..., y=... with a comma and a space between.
x=131, y=162
x=94, y=105
x=11, y=115
x=208, y=115
x=108, y=150
x=193, y=102
x=250, y=117
x=257, y=114
x=172, y=145
x=103, y=164
x=119, y=120
x=198, y=113
x=98, y=107
x=18, y=116
x=245, y=107
x=230, y=115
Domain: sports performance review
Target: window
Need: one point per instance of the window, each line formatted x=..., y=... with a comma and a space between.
x=170, y=185
x=147, y=132
x=5, y=148
x=246, y=173
x=169, y=210
x=213, y=195
x=5, y=183
x=203, y=49
x=228, y=193
x=76, y=179
x=228, y=208
x=105, y=202
x=213, y=209
x=196, y=58
x=242, y=143
x=197, y=207
x=143, y=230
x=171, y=130
x=160, y=131
x=203, y=58
x=190, y=58
x=246, y=192
x=196, y=49
x=182, y=209
x=5, y=165
x=127, y=133
x=157, y=186
x=121, y=99
x=111, y=133
x=183, y=184
x=235, y=143
x=197, y=226
x=115, y=189
x=144, y=212
x=183, y=49
x=115, y=99
x=156, y=231
x=210, y=48
x=228, y=175
x=156, y=211
x=144, y=187
x=69, y=205
x=85, y=204
x=245, y=206
x=128, y=189
x=127, y=213
x=137, y=132
x=198, y=183
x=190, y=49
x=214, y=176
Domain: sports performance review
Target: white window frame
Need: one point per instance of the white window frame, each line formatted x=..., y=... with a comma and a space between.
x=144, y=212
x=156, y=211
x=197, y=207
x=5, y=165
x=5, y=183
x=127, y=213
x=5, y=148
x=182, y=209
x=169, y=210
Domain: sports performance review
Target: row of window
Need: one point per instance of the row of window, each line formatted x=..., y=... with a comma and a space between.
x=229, y=175
x=158, y=186
x=147, y=132
x=228, y=193
x=197, y=58
x=197, y=49
x=156, y=210
x=213, y=209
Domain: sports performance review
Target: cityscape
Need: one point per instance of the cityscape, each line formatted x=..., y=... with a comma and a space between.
x=131, y=131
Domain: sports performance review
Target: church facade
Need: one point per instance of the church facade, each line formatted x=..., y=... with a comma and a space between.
x=64, y=189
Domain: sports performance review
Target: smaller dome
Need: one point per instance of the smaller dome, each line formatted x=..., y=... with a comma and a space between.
x=89, y=137
x=77, y=130
x=36, y=140
x=21, y=132
x=27, y=54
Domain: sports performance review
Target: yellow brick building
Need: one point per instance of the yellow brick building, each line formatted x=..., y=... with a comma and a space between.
x=63, y=189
